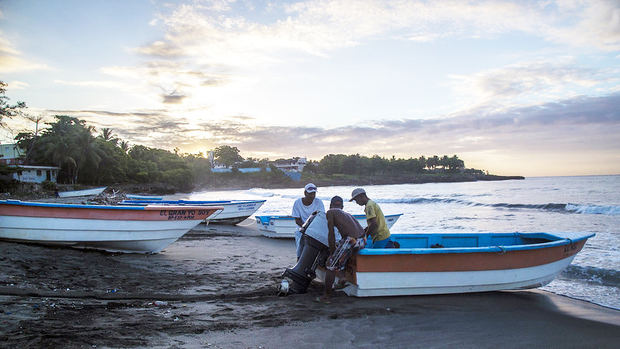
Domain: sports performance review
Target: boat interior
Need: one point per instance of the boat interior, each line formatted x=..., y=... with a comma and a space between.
x=471, y=240
x=468, y=243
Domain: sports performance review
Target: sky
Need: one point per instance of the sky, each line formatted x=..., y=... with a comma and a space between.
x=526, y=88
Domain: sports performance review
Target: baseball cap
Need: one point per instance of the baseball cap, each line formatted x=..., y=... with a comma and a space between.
x=310, y=188
x=336, y=199
x=356, y=192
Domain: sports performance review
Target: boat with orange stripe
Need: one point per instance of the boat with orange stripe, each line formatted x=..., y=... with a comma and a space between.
x=132, y=229
x=461, y=263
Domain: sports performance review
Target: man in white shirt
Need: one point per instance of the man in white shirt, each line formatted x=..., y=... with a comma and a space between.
x=302, y=209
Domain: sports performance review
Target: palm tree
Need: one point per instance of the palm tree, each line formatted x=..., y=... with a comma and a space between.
x=87, y=151
x=58, y=149
x=108, y=135
x=124, y=145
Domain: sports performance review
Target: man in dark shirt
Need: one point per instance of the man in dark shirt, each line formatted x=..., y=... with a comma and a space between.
x=348, y=227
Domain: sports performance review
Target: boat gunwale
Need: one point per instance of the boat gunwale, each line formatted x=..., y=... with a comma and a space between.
x=103, y=207
x=557, y=241
x=288, y=218
x=188, y=202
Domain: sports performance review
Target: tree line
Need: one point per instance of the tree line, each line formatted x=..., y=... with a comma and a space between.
x=376, y=165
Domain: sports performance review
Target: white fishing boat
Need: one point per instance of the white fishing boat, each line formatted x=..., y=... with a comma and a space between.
x=133, y=229
x=284, y=227
x=84, y=192
x=233, y=211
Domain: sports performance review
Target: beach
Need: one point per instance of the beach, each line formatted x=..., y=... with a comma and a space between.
x=216, y=288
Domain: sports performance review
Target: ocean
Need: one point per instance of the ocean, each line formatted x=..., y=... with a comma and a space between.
x=538, y=204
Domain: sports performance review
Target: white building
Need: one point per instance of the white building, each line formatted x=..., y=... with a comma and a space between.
x=36, y=174
x=10, y=154
x=293, y=165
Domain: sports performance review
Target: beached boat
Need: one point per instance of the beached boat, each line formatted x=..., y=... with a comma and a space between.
x=144, y=197
x=233, y=211
x=139, y=229
x=460, y=263
x=284, y=227
x=85, y=192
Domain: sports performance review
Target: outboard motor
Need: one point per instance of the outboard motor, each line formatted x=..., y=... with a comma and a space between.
x=297, y=279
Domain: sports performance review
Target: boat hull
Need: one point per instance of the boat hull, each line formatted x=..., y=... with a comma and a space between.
x=78, y=193
x=284, y=227
x=372, y=284
x=110, y=228
x=233, y=211
x=144, y=197
x=475, y=268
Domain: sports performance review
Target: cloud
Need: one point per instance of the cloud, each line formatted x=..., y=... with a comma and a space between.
x=173, y=98
x=210, y=44
x=212, y=32
x=160, y=49
x=160, y=75
x=17, y=85
x=11, y=60
x=578, y=122
x=530, y=83
x=542, y=133
x=93, y=83
x=597, y=24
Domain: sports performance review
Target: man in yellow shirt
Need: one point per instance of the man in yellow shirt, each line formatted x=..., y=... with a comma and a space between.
x=377, y=226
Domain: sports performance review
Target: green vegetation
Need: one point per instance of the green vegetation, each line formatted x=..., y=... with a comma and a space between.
x=339, y=169
x=86, y=159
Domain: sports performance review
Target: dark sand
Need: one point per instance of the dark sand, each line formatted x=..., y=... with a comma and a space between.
x=216, y=288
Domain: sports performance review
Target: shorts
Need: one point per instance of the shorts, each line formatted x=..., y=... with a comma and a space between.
x=344, y=250
x=386, y=243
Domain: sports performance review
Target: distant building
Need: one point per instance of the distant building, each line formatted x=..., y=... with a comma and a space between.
x=36, y=174
x=291, y=165
x=11, y=154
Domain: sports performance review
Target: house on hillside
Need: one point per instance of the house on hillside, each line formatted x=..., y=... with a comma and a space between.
x=291, y=165
x=11, y=154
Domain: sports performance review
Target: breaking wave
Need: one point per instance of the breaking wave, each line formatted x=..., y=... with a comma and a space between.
x=611, y=210
x=599, y=276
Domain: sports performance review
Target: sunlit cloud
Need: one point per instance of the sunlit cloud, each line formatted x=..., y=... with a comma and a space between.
x=113, y=84
x=17, y=85
x=11, y=60
x=527, y=127
x=209, y=44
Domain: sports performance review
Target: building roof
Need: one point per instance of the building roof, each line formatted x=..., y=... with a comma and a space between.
x=28, y=167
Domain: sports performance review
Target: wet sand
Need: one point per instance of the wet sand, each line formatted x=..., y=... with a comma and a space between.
x=216, y=288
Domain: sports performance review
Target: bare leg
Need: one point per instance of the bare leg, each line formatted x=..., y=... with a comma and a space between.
x=330, y=276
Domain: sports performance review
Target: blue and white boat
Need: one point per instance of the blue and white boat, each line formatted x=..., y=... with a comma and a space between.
x=284, y=226
x=234, y=211
x=461, y=262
